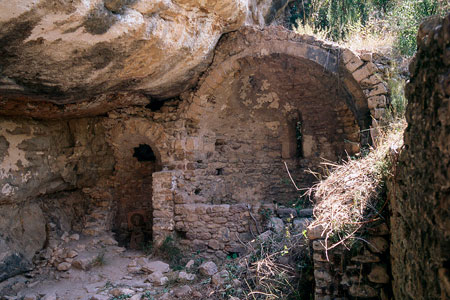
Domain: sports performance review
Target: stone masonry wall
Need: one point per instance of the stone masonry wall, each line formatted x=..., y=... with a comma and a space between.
x=420, y=192
x=359, y=272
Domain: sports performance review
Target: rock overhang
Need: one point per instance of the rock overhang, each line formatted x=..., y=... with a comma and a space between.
x=69, y=52
x=53, y=69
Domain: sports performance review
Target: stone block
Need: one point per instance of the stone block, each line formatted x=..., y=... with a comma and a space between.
x=184, y=276
x=376, y=102
x=371, y=81
x=364, y=72
x=157, y=278
x=156, y=266
x=322, y=275
x=276, y=224
x=377, y=244
x=366, y=57
x=315, y=233
x=182, y=292
x=348, y=55
x=378, y=89
x=354, y=64
x=301, y=224
x=319, y=257
x=305, y=213
x=318, y=245
x=378, y=113
x=363, y=291
x=285, y=212
x=214, y=244
x=378, y=274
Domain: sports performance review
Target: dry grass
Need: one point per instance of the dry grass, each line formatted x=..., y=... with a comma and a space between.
x=276, y=266
x=349, y=197
x=375, y=36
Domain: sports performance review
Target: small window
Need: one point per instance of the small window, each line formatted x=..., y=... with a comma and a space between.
x=144, y=153
x=299, y=138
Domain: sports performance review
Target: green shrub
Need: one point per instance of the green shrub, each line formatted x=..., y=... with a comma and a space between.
x=406, y=17
x=339, y=19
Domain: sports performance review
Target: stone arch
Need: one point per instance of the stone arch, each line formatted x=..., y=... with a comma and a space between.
x=228, y=115
x=133, y=178
x=253, y=42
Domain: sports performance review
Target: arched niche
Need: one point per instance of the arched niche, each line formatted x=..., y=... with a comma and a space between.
x=136, y=145
x=261, y=110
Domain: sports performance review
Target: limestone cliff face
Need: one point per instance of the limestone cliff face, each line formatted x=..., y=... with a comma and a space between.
x=73, y=49
x=420, y=196
x=38, y=159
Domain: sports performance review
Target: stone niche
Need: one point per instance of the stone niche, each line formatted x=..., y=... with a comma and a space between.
x=136, y=161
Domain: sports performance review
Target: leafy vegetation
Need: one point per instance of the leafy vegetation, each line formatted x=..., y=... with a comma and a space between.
x=341, y=20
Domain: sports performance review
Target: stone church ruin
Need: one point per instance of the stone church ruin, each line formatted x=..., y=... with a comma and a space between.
x=201, y=165
x=166, y=119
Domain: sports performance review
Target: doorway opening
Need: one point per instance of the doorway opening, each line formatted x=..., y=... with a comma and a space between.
x=134, y=218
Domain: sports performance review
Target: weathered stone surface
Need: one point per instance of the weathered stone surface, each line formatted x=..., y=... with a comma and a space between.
x=68, y=51
x=22, y=234
x=157, y=278
x=209, y=173
x=305, y=213
x=63, y=266
x=378, y=90
x=220, y=278
x=208, y=268
x=420, y=197
x=377, y=101
x=12, y=263
x=363, y=291
x=378, y=274
x=156, y=266
x=276, y=224
x=182, y=291
x=364, y=72
x=39, y=158
x=301, y=224
x=377, y=244
x=184, y=276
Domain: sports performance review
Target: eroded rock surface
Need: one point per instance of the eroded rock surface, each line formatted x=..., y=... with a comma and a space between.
x=68, y=50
